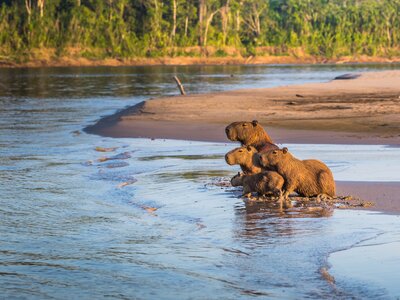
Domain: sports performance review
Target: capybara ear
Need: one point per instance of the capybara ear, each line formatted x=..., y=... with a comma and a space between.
x=285, y=150
x=238, y=174
x=248, y=148
x=255, y=122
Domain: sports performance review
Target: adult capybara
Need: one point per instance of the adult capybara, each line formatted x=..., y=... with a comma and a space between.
x=246, y=158
x=269, y=182
x=305, y=177
x=250, y=134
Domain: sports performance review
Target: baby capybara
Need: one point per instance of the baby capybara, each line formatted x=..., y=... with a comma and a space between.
x=246, y=158
x=262, y=183
x=305, y=177
x=250, y=134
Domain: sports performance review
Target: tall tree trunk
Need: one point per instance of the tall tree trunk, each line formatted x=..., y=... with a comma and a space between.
x=202, y=13
x=40, y=4
x=208, y=22
x=186, y=25
x=225, y=18
x=78, y=3
x=238, y=17
x=174, y=20
x=28, y=5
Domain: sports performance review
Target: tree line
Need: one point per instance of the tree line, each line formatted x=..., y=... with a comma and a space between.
x=152, y=28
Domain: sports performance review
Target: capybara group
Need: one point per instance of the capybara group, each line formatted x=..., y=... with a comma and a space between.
x=246, y=157
x=305, y=177
x=264, y=183
x=250, y=134
x=266, y=168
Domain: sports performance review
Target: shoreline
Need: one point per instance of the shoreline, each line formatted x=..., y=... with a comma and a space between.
x=79, y=61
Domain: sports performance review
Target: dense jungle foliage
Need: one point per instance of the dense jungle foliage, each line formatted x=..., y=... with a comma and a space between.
x=153, y=28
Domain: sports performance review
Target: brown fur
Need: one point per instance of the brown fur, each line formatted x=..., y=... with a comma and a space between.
x=305, y=177
x=246, y=158
x=262, y=183
x=248, y=134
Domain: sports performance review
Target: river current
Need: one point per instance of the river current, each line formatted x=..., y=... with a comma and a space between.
x=147, y=221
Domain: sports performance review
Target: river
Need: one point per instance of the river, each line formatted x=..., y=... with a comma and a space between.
x=149, y=222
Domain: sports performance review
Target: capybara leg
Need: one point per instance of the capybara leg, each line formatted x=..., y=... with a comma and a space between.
x=323, y=197
x=277, y=193
x=246, y=195
x=288, y=203
x=327, y=183
x=281, y=201
x=286, y=195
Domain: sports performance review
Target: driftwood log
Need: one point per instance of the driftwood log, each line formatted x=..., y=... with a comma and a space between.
x=179, y=84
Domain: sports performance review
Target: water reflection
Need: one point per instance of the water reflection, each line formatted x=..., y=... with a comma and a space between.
x=264, y=220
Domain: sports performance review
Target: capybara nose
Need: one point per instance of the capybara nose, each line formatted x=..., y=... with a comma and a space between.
x=227, y=130
x=228, y=161
x=260, y=158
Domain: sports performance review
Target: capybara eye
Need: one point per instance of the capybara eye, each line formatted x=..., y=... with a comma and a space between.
x=244, y=125
x=240, y=150
x=275, y=152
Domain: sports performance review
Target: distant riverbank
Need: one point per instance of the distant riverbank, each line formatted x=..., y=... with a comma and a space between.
x=49, y=59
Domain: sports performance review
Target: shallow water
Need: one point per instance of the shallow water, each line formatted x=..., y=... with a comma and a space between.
x=150, y=223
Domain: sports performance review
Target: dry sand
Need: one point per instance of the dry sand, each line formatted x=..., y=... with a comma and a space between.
x=365, y=110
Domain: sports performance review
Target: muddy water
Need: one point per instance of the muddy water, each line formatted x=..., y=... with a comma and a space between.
x=150, y=222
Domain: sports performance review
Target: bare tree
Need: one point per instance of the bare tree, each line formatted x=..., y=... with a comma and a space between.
x=174, y=19
x=40, y=4
x=202, y=12
x=28, y=5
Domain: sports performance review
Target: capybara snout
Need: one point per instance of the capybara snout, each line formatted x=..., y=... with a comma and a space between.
x=230, y=132
x=228, y=159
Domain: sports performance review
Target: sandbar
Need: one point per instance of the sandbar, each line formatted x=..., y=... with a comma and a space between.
x=363, y=110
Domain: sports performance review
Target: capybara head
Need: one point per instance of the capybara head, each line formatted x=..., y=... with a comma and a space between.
x=271, y=158
x=241, y=155
x=248, y=133
x=237, y=180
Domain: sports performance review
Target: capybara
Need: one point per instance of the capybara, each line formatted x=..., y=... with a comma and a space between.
x=246, y=158
x=262, y=183
x=250, y=134
x=305, y=177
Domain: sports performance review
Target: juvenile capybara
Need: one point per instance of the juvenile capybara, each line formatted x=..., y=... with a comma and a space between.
x=262, y=183
x=250, y=134
x=307, y=178
x=246, y=158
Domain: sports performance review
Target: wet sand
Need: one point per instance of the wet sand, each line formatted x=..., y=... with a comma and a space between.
x=385, y=195
x=364, y=110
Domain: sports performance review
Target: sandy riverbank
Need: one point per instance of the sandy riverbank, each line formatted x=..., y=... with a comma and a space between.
x=365, y=110
x=47, y=60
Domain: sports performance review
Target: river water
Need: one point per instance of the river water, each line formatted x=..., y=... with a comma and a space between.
x=149, y=222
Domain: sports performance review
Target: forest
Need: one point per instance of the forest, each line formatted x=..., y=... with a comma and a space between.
x=98, y=29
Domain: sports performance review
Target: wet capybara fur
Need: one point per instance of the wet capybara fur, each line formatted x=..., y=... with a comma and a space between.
x=262, y=183
x=307, y=178
x=249, y=134
x=246, y=157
